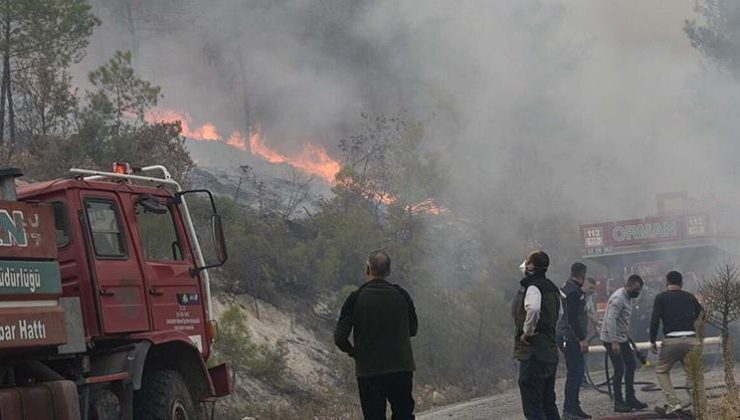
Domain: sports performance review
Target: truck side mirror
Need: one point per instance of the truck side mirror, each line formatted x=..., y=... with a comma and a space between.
x=217, y=231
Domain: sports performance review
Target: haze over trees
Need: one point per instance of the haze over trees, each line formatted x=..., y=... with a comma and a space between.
x=717, y=37
x=516, y=183
x=280, y=254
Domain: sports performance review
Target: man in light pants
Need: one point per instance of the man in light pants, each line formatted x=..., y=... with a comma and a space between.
x=679, y=311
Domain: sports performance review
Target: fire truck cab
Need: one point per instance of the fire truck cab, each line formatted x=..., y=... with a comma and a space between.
x=105, y=298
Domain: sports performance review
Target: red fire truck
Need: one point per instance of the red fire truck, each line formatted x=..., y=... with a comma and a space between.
x=105, y=300
x=692, y=236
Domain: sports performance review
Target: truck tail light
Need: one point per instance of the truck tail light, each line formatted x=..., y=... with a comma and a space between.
x=212, y=330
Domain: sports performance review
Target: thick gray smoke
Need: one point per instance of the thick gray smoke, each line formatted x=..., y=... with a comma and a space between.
x=579, y=106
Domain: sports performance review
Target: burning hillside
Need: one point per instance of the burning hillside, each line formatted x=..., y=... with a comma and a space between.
x=313, y=160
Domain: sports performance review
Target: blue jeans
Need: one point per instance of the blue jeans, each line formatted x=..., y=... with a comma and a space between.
x=574, y=364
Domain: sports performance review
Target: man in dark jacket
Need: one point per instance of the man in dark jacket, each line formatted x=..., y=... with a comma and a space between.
x=573, y=328
x=382, y=318
x=535, y=311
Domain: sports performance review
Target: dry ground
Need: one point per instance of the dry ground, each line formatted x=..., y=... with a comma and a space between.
x=507, y=405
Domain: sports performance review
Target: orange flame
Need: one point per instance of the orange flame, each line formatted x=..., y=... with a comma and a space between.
x=313, y=159
x=428, y=206
x=237, y=140
x=206, y=132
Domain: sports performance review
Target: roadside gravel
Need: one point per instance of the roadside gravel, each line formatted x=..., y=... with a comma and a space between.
x=507, y=405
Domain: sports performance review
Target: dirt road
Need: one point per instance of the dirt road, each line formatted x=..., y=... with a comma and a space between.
x=507, y=405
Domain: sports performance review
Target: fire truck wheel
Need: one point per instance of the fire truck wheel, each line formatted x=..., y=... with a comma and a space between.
x=164, y=396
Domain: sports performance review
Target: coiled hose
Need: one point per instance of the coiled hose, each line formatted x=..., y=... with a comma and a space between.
x=645, y=386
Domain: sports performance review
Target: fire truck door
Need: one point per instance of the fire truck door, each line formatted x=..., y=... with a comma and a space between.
x=177, y=303
x=119, y=280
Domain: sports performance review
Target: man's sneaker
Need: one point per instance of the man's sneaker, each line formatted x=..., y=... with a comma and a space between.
x=672, y=409
x=621, y=407
x=575, y=415
x=636, y=404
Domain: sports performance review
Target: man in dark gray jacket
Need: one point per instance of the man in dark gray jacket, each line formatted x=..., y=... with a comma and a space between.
x=573, y=328
x=382, y=318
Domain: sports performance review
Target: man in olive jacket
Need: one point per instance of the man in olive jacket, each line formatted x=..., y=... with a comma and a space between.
x=382, y=318
x=535, y=310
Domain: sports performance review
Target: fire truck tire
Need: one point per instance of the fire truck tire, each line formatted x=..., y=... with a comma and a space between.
x=164, y=396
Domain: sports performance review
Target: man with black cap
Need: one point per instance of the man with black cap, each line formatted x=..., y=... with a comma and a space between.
x=382, y=318
x=535, y=310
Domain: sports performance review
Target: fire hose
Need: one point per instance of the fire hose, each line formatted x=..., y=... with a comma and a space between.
x=638, y=349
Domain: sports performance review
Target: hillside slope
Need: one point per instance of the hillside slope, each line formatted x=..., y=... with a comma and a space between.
x=315, y=382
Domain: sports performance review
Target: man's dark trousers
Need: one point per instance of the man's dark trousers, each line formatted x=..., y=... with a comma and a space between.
x=624, y=366
x=574, y=363
x=537, y=388
x=395, y=388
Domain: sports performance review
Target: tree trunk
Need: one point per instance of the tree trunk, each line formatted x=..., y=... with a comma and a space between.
x=43, y=115
x=245, y=96
x=2, y=109
x=4, y=84
x=7, y=84
x=131, y=26
x=11, y=113
x=728, y=356
x=238, y=188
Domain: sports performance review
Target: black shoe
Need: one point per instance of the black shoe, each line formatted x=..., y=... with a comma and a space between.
x=621, y=407
x=636, y=404
x=575, y=415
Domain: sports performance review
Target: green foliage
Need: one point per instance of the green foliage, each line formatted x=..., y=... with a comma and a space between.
x=234, y=344
x=269, y=362
x=120, y=97
x=39, y=39
x=47, y=101
x=109, y=128
x=57, y=30
x=236, y=347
